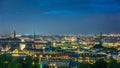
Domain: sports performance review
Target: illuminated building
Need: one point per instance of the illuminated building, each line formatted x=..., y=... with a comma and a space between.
x=22, y=46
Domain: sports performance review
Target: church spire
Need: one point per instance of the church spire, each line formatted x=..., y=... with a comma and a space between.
x=34, y=36
x=14, y=34
x=101, y=38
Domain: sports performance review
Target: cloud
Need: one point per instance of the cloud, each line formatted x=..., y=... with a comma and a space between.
x=105, y=5
x=65, y=15
x=63, y=12
x=77, y=7
x=72, y=7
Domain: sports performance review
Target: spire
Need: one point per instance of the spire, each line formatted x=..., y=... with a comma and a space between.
x=34, y=36
x=100, y=45
x=101, y=38
x=14, y=34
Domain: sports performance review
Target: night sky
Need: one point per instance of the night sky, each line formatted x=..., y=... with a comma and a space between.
x=59, y=16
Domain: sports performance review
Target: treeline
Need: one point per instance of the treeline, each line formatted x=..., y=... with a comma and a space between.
x=8, y=61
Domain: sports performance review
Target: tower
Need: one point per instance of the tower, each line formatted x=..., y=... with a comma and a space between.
x=14, y=34
x=100, y=45
x=34, y=37
x=101, y=39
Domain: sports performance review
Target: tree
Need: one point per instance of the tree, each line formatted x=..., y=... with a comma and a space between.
x=36, y=65
x=84, y=65
x=45, y=66
x=11, y=65
x=113, y=63
x=18, y=65
x=4, y=60
x=101, y=63
x=27, y=62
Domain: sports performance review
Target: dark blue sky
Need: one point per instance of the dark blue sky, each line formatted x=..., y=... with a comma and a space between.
x=59, y=16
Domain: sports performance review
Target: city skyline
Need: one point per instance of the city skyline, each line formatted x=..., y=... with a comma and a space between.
x=59, y=17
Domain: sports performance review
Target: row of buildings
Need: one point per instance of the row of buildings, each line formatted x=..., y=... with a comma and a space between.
x=62, y=50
